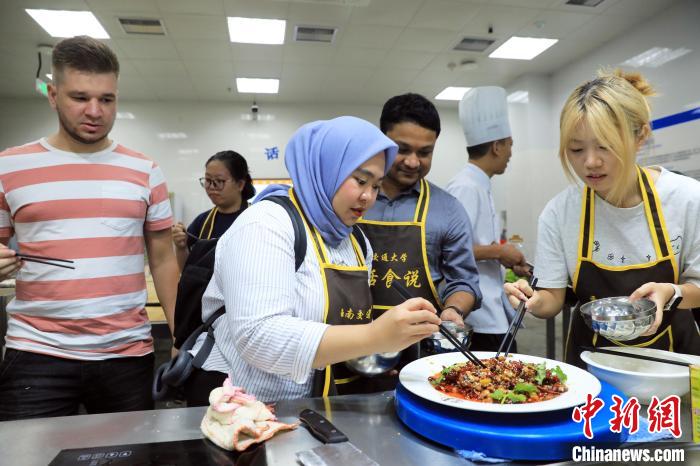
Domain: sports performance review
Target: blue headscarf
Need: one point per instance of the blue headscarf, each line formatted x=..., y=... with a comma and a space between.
x=319, y=157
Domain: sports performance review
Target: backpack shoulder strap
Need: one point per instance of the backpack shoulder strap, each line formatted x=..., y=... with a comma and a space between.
x=298, y=224
x=360, y=238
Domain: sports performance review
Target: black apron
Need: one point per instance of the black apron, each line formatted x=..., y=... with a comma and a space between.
x=400, y=254
x=677, y=332
x=348, y=302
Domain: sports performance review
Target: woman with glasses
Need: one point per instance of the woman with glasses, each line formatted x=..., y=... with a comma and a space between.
x=229, y=186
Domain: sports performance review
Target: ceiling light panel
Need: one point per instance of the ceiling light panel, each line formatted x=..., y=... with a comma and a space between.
x=522, y=48
x=655, y=57
x=256, y=30
x=63, y=23
x=257, y=85
x=452, y=93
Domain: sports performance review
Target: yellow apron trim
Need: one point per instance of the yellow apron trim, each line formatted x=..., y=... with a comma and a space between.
x=622, y=268
x=582, y=223
x=358, y=251
x=381, y=307
x=327, y=382
x=662, y=221
x=650, y=219
x=346, y=380
x=210, y=217
x=292, y=196
x=327, y=407
x=423, y=192
x=650, y=342
x=383, y=223
x=424, y=249
x=351, y=268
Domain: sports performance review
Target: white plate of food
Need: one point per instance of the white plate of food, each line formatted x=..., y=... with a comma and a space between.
x=524, y=385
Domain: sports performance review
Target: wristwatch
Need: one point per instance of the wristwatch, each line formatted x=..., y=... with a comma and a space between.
x=675, y=300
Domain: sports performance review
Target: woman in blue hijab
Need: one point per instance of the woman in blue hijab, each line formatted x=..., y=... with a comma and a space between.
x=287, y=331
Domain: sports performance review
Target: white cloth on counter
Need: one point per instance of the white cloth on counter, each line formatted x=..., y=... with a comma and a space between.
x=621, y=235
x=472, y=187
x=268, y=338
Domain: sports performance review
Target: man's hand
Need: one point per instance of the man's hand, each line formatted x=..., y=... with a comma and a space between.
x=510, y=256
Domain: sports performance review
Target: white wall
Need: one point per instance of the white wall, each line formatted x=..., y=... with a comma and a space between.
x=212, y=127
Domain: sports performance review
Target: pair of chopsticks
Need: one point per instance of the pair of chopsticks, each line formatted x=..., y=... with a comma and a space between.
x=46, y=260
x=509, y=338
x=443, y=330
x=593, y=349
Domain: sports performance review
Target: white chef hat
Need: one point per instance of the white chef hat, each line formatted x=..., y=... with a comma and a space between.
x=483, y=113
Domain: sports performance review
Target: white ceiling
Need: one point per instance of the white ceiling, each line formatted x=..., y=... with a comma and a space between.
x=381, y=49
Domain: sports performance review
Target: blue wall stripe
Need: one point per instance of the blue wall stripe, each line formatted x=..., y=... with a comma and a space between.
x=676, y=119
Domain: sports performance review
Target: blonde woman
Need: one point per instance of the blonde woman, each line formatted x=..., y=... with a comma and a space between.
x=629, y=231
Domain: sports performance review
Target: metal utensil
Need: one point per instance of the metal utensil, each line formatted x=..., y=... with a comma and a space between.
x=398, y=286
x=45, y=260
x=337, y=451
x=618, y=318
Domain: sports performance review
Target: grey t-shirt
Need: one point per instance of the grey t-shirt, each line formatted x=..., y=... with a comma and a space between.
x=621, y=237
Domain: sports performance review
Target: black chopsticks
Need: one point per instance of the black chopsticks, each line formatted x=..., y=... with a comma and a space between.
x=636, y=356
x=509, y=338
x=46, y=260
x=443, y=330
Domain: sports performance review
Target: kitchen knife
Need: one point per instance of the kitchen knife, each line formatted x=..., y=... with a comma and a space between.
x=337, y=451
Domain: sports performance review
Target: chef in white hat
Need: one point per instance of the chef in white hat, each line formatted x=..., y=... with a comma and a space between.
x=483, y=113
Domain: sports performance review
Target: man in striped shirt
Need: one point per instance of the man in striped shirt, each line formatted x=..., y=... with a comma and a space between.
x=82, y=336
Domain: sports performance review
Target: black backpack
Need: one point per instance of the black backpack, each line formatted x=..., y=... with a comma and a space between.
x=199, y=269
x=194, y=280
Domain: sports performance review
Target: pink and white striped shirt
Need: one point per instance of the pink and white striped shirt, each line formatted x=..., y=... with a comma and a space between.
x=92, y=209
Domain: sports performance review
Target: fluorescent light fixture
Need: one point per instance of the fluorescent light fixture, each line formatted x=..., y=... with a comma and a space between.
x=452, y=93
x=257, y=85
x=172, y=135
x=50, y=76
x=64, y=23
x=519, y=97
x=125, y=116
x=655, y=57
x=522, y=48
x=256, y=30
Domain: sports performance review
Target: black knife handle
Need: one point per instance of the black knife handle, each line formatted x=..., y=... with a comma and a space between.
x=321, y=428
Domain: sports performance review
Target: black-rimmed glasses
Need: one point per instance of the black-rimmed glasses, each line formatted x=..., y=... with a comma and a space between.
x=213, y=183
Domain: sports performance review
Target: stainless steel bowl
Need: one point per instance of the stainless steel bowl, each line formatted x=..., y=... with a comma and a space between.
x=437, y=343
x=619, y=318
x=374, y=364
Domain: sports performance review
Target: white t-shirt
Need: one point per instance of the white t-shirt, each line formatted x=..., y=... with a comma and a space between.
x=621, y=235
